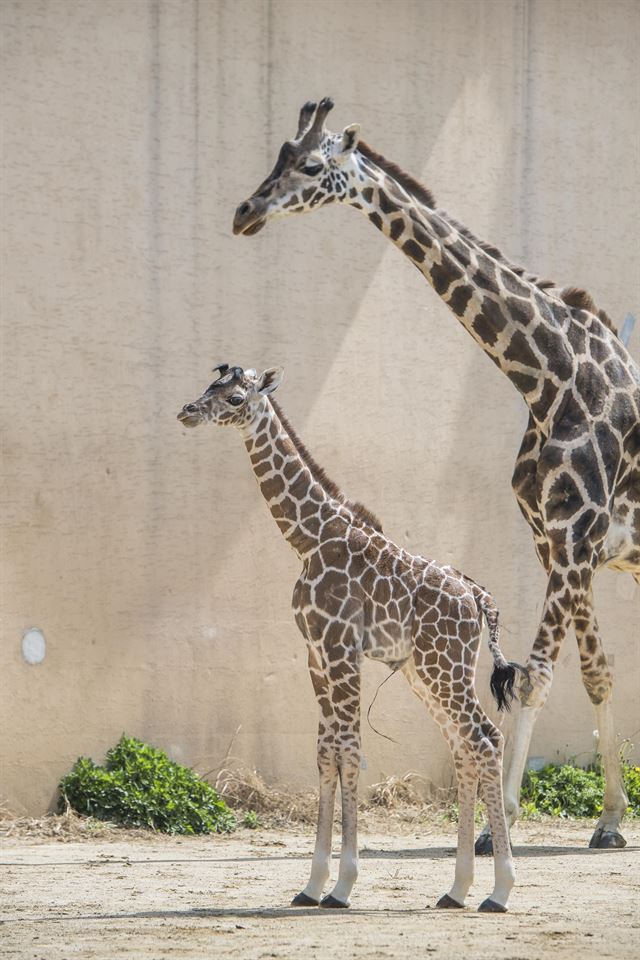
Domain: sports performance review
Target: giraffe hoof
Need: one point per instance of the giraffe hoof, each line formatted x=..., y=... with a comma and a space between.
x=484, y=845
x=490, y=906
x=448, y=903
x=302, y=900
x=333, y=904
x=607, y=840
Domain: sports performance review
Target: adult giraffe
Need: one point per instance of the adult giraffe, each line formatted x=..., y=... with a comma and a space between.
x=577, y=473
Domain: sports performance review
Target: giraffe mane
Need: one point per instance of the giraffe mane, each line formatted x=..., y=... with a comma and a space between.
x=410, y=184
x=359, y=511
x=574, y=297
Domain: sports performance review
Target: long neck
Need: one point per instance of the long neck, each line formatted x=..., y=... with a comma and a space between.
x=517, y=325
x=299, y=495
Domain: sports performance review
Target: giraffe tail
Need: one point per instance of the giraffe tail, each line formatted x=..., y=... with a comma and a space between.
x=503, y=678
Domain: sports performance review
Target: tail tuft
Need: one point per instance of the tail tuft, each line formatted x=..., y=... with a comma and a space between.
x=503, y=677
x=502, y=682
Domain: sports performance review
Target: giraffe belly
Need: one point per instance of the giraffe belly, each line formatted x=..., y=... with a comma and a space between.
x=390, y=644
x=622, y=548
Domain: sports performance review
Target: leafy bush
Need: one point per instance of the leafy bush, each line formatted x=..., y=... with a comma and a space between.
x=139, y=786
x=251, y=820
x=632, y=786
x=570, y=791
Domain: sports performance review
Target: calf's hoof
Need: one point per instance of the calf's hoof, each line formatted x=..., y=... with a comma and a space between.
x=333, y=904
x=484, y=845
x=490, y=906
x=607, y=840
x=448, y=903
x=302, y=900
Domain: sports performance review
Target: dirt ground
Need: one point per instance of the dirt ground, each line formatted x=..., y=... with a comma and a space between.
x=147, y=897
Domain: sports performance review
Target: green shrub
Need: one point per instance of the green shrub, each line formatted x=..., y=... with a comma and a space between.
x=632, y=786
x=139, y=786
x=251, y=820
x=570, y=791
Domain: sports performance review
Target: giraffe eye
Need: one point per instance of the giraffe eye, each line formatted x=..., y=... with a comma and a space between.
x=312, y=169
x=235, y=400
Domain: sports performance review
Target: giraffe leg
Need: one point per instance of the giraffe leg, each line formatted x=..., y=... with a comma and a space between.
x=335, y=674
x=320, y=863
x=344, y=761
x=465, y=857
x=477, y=756
x=598, y=682
x=485, y=755
x=615, y=799
x=532, y=693
x=349, y=769
x=419, y=681
x=491, y=781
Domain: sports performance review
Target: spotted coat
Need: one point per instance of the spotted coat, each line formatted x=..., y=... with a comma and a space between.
x=360, y=595
x=577, y=474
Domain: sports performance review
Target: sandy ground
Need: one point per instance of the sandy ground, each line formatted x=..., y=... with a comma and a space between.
x=228, y=897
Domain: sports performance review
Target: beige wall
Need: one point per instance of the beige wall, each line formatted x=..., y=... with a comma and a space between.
x=143, y=552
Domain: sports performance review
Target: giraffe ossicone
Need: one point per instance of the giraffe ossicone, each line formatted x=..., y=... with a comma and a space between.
x=360, y=595
x=577, y=473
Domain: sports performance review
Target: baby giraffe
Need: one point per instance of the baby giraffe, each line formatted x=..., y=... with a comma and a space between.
x=361, y=595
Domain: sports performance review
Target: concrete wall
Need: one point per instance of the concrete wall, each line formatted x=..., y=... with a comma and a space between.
x=145, y=553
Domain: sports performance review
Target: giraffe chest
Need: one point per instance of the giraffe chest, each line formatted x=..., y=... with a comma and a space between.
x=368, y=599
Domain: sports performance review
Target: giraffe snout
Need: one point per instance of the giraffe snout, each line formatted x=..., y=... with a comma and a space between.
x=190, y=415
x=249, y=218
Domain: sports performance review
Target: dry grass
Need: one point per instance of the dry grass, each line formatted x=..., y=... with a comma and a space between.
x=66, y=827
x=395, y=800
x=244, y=790
x=407, y=799
x=394, y=792
x=411, y=799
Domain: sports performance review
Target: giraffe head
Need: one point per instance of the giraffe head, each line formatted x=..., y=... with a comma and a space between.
x=311, y=170
x=232, y=400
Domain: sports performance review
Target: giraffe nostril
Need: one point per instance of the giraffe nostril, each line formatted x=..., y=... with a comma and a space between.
x=244, y=208
x=190, y=408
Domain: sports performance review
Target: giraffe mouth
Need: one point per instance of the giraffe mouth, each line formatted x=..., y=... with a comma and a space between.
x=253, y=228
x=189, y=419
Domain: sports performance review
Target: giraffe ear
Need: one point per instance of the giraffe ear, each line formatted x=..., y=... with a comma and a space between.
x=350, y=137
x=270, y=380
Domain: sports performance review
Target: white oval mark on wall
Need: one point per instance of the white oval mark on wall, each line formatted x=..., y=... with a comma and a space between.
x=33, y=646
